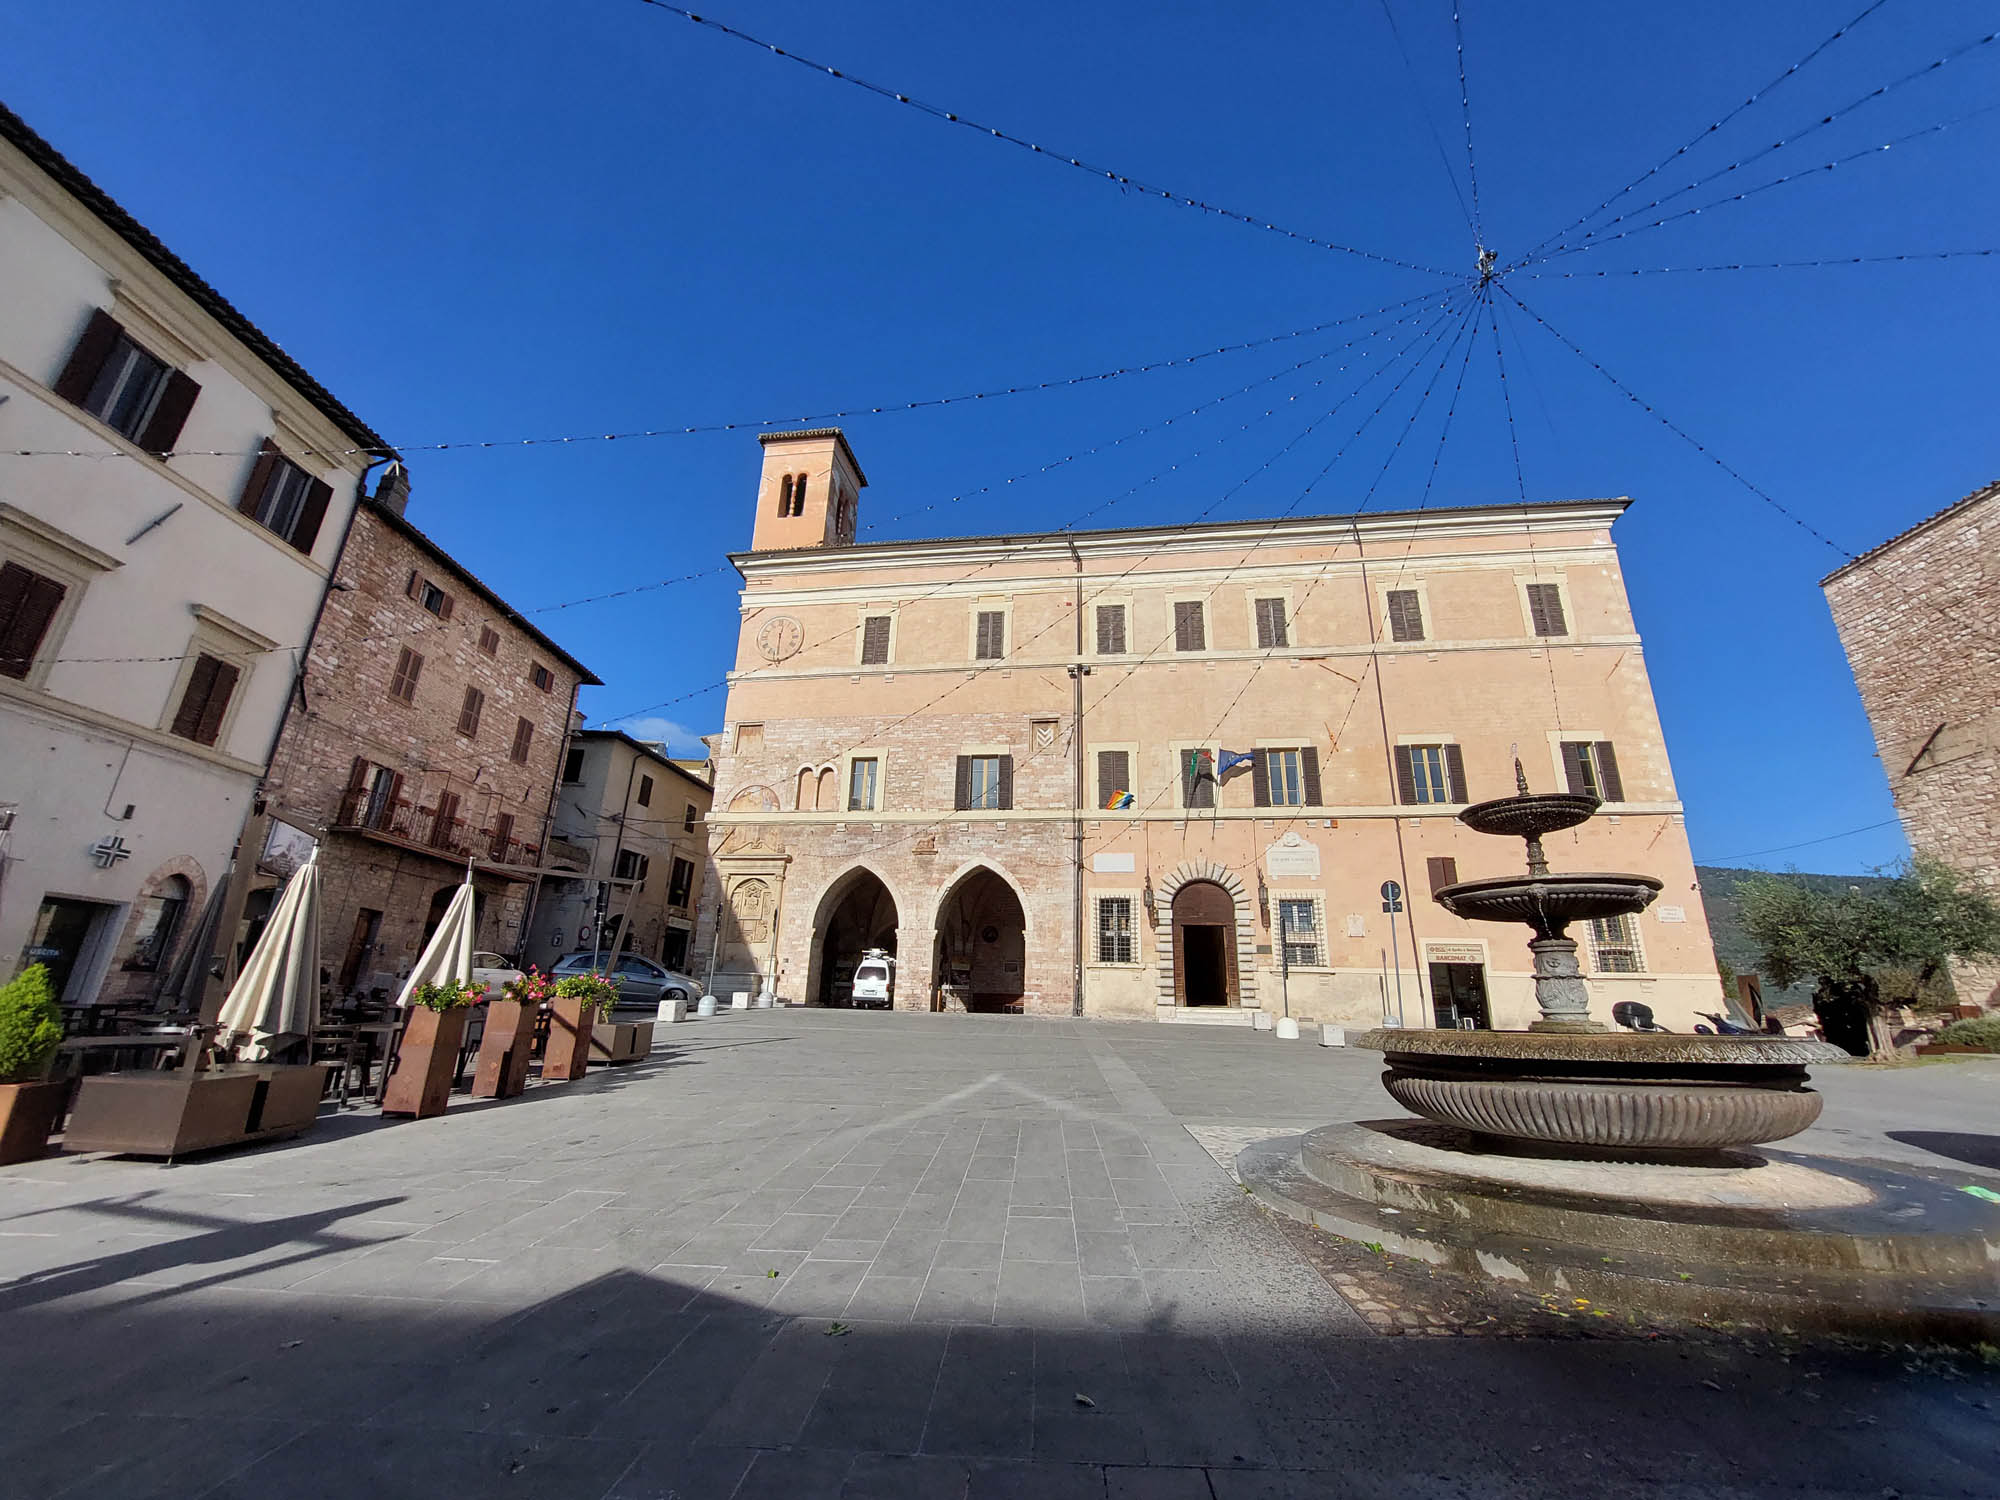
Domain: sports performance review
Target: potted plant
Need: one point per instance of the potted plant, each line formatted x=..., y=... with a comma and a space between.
x=427, y=1057
x=577, y=1000
x=30, y=1032
x=509, y=1038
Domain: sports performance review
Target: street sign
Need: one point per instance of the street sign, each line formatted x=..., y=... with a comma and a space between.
x=1392, y=896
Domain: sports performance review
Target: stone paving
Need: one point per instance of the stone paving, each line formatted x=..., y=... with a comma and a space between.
x=808, y=1254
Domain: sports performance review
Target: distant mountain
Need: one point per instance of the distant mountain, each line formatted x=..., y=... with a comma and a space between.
x=1734, y=946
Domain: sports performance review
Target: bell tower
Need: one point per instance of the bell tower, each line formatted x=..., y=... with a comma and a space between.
x=809, y=494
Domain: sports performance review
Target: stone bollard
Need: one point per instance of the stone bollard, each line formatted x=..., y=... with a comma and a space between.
x=1288, y=1029
x=1261, y=1020
x=670, y=1012
x=1333, y=1036
x=740, y=1000
x=766, y=1000
x=707, y=1006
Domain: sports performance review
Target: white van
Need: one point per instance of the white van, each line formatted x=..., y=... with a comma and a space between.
x=874, y=980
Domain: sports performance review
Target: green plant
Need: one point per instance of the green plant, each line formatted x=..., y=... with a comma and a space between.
x=595, y=991
x=30, y=1025
x=455, y=994
x=1980, y=1031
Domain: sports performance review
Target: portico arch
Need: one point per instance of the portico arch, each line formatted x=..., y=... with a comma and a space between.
x=980, y=954
x=857, y=911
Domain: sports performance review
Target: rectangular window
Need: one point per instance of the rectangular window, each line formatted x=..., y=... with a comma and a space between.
x=284, y=499
x=573, y=766
x=28, y=605
x=692, y=817
x=1116, y=943
x=1545, y=609
x=680, y=884
x=1614, y=945
x=645, y=791
x=1443, y=871
x=542, y=677
x=503, y=837
x=127, y=388
x=1288, y=787
x=403, y=685
x=1110, y=630
x=1114, y=779
x=1190, y=633
x=444, y=823
x=631, y=865
x=985, y=783
x=875, y=641
x=1429, y=773
x=1406, y=615
x=468, y=716
x=206, y=700
x=1271, y=630
x=861, y=785
x=990, y=643
x=1298, y=923
x=379, y=806
x=1285, y=778
x=489, y=640
x=1591, y=767
x=1197, y=778
x=131, y=391
x=434, y=599
x=524, y=736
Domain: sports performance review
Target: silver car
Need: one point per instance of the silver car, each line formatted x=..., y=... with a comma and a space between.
x=640, y=981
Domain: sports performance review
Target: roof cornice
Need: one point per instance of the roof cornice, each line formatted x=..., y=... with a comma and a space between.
x=1984, y=492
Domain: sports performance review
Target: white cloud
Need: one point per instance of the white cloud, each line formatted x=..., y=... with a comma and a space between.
x=679, y=739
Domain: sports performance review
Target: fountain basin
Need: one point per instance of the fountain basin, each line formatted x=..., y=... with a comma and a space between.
x=1548, y=903
x=1531, y=814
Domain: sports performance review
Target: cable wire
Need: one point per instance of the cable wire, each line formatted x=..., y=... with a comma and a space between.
x=1754, y=265
x=1465, y=105
x=1437, y=139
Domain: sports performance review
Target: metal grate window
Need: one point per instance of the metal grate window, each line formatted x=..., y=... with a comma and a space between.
x=1116, y=941
x=1299, y=929
x=1614, y=945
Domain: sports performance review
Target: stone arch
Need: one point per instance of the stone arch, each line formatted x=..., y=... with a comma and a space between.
x=179, y=876
x=981, y=940
x=1163, y=926
x=834, y=897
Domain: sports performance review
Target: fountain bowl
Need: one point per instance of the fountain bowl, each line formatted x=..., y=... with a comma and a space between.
x=1530, y=814
x=1548, y=903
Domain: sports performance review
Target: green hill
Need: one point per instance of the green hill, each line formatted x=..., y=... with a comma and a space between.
x=1733, y=945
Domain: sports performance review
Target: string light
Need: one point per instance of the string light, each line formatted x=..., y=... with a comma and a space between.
x=1750, y=265
x=1465, y=105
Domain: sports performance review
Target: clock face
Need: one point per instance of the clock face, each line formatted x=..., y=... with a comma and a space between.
x=780, y=637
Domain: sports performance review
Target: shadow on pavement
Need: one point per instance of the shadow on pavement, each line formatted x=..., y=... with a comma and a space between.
x=1956, y=1145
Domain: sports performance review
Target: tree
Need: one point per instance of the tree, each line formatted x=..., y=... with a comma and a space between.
x=1846, y=940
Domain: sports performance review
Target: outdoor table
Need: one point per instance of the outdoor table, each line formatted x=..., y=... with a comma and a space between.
x=82, y=1047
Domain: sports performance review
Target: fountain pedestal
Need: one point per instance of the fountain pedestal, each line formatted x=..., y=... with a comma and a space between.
x=1560, y=992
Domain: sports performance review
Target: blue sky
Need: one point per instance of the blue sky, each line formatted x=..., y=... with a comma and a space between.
x=511, y=219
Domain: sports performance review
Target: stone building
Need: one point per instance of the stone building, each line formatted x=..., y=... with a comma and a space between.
x=174, y=491
x=427, y=733
x=1165, y=773
x=632, y=823
x=1917, y=617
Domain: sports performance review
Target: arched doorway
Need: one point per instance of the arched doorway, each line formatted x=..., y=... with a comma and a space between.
x=1204, y=945
x=441, y=901
x=856, y=913
x=981, y=958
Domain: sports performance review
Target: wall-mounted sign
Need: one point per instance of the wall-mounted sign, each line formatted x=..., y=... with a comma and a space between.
x=108, y=850
x=1672, y=913
x=1292, y=858
x=285, y=849
x=1357, y=925
x=1113, y=864
x=1454, y=953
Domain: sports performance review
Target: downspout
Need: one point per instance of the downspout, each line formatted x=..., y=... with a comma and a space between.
x=549, y=816
x=1077, y=672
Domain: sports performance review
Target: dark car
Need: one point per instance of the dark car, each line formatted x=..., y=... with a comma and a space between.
x=640, y=981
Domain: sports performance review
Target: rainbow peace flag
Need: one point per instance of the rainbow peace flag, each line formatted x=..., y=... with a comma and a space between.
x=1118, y=801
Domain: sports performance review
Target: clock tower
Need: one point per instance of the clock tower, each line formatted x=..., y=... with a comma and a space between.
x=810, y=492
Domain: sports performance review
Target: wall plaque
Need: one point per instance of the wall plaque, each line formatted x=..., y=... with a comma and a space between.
x=1454, y=953
x=1113, y=864
x=1292, y=858
x=1672, y=913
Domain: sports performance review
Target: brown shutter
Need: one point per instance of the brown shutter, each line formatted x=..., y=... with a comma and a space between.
x=1006, y=782
x=80, y=374
x=28, y=603
x=524, y=734
x=1188, y=632
x=1607, y=772
x=1406, y=615
x=962, y=793
x=503, y=835
x=1443, y=872
x=1309, y=765
x=312, y=514
x=1260, y=774
x=1109, y=642
x=1112, y=772
x=218, y=703
x=875, y=641
x=1573, y=772
x=444, y=609
x=415, y=587
x=1406, y=775
x=468, y=716
x=350, y=800
x=447, y=814
x=187, y=718
x=1545, y=609
x=170, y=414
x=268, y=459
x=1454, y=765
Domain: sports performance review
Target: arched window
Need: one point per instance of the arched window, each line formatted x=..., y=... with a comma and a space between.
x=785, y=496
x=798, y=494
x=828, y=793
x=159, y=924
x=807, y=785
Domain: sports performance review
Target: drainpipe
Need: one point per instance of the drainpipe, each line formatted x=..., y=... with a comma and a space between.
x=1077, y=672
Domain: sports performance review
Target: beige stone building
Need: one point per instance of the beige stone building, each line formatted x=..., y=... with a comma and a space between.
x=1917, y=617
x=1163, y=773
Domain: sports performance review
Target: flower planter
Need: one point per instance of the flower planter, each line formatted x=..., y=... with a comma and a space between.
x=425, y=1062
x=28, y=1114
x=568, y=1052
x=620, y=1041
x=504, y=1050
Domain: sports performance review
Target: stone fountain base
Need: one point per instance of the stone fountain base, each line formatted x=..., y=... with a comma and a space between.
x=1766, y=1238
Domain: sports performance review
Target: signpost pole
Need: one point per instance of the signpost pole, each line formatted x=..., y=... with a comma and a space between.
x=1392, y=902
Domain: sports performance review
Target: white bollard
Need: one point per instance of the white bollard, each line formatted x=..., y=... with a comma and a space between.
x=670, y=1012
x=766, y=1000
x=1260, y=1020
x=1333, y=1036
x=740, y=1000
x=707, y=1006
x=1288, y=1029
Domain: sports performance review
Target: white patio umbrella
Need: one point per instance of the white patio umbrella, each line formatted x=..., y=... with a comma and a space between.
x=275, y=1000
x=448, y=955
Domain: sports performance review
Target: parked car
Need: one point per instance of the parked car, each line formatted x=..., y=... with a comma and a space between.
x=640, y=981
x=874, y=980
x=493, y=970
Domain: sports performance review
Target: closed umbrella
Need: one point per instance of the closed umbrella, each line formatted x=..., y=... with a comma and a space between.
x=275, y=1000
x=187, y=981
x=447, y=958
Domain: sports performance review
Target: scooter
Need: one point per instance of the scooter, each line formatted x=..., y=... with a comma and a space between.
x=1723, y=1026
x=1634, y=1015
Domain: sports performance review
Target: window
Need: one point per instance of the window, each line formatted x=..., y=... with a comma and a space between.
x=680, y=884
x=503, y=836
x=861, y=785
x=284, y=499
x=124, y=387
x=645, y=791
x=375, y=796
x=1116, y=943
x=1592, y=769
x=205, y=699
x=1114, y=779
x=792, y=495
x=1429, y=773
x=1406, y=615
x=1285, y=778
x=875, y=641
x=631, y=865
x=444, y=825
x=1190, y=633
x=1545, y=609
x=159, y=918
x=542, y=677
x=524, y=736
x=985, y=783
x=692, y=817
x=403, y=685
x=1298, y=926
x=1271, y=624
x=1443, y=871
x=28, y=605
x=1614, y=945
x=1197, y=778
x=489, y=640
x=468, y=716
x=573, y=766
x=991, y=635
x=1110, y=630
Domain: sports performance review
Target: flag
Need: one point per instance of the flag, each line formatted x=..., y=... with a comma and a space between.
x=1201, y=763
x=1119, y=801
x=1231, y=759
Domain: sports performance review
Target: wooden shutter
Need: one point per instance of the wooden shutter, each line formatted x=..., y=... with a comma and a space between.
x=1110, y=630
x=524, y=735
x=1573, y=771
x=1113, y=775
x=1006, y=782
x=1443, y=872
x=1271, y=623
x=1406, y=775
x=219, y=694
x=268, y=459
x=415, y=587
x=444, y=609
x=447, y=814
x=403, y=684
x=187, y=718
x=1545, y=609
x=468, y=716
x=170, y=414
x=991, y=644
x=1260, y=771
x=1309, y=769
x=1406, y=615
x=28, y=604
x=351, y=800
x=1607, y=772
x=503, y=835
x=1454, y=765
x=962, y=793
x=875, y=641
x=1188, y=632
x=87, y=359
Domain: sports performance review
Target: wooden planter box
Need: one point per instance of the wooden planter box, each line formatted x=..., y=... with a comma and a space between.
x=568, y=1052
x=28, y=1113
x=425, y=1062
x=171, y=1113
x=620, y=1041
x=504, y=1050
